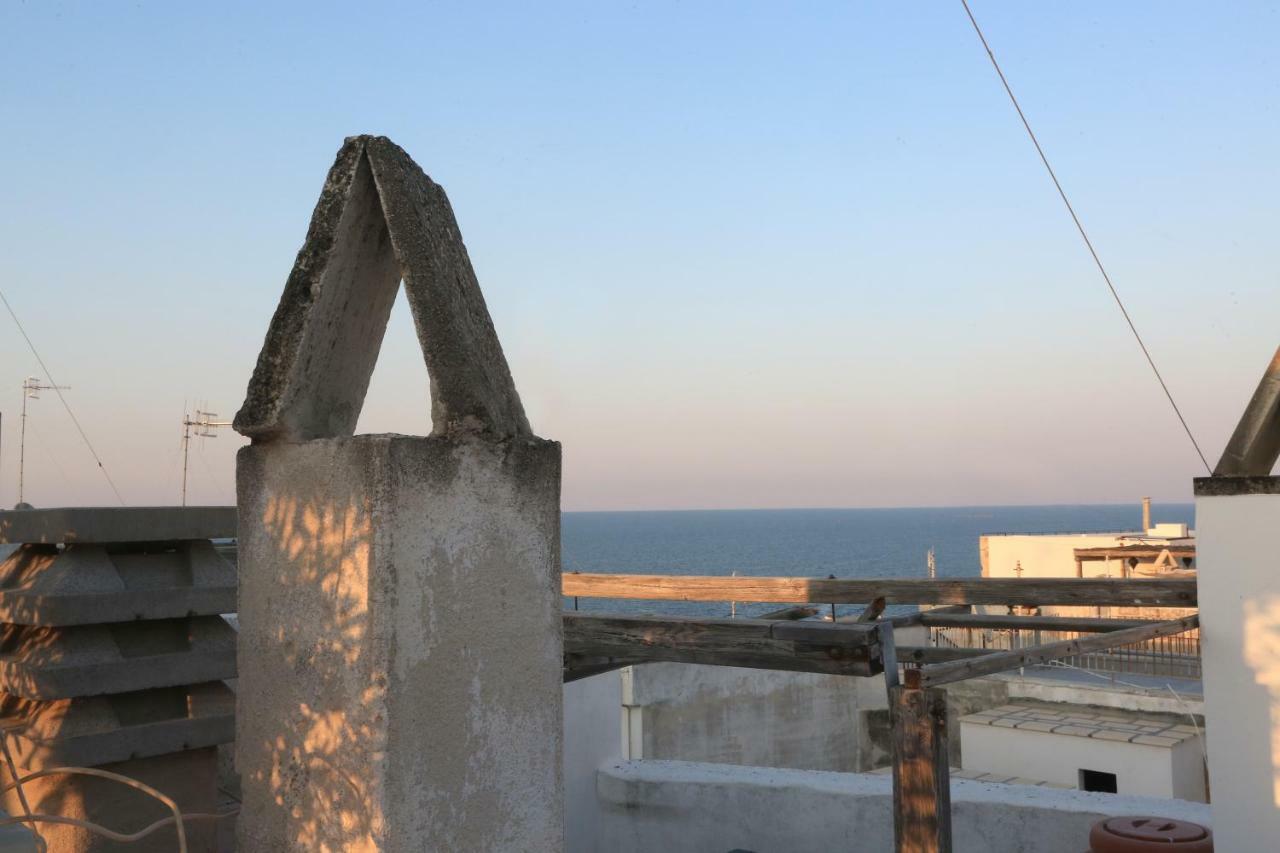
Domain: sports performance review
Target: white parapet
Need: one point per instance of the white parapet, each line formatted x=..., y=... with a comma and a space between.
x=1238, y=520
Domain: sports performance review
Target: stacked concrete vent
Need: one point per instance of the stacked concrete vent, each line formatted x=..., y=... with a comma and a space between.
x=113, y=653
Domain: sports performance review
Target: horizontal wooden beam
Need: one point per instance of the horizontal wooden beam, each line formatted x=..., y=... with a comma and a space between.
x=592, y=640
x=1078, y=624
x=935, y=675
x=937, y=654
x=1161, y=592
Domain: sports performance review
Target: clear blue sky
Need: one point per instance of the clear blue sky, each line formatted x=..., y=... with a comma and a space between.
x=739, y=254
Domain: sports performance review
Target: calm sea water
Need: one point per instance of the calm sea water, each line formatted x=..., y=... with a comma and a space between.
x=847, y=543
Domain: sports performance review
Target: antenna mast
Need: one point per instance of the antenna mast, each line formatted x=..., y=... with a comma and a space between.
x=31, y=389
x=205, y=425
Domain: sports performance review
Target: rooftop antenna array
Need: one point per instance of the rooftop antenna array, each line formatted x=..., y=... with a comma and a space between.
x=204, y=424
x=31, y=388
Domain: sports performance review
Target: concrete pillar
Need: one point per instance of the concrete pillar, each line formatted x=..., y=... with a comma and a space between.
x=1237, y=519
x=400, y=648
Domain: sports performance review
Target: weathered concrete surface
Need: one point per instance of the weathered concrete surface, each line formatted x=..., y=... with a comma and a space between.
x=679, y=807
x=117, y=524
x=400, y=654
x=89, y=660
x=379, y=218
x=189, y=777
x=91, y=584
x=97, y=730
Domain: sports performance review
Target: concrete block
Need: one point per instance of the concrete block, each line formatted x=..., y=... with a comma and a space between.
x=97, y=730
x=190, y=778
x=88, y=660
x=101, y=525
x=92, y=584
x=400, y=648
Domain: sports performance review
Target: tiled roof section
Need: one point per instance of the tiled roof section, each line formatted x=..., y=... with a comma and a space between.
x=1099, y=724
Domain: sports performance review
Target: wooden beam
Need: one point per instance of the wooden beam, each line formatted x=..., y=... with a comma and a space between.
x=1179, y=592
x=590, y=639
x=937, y=654
x=789, y=613
x=933, y=675
x=587, y=668
x=1255, y=444
x=1078, y=624
x=921, y=771
x=871, y=612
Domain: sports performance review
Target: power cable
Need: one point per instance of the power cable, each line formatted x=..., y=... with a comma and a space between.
x=65, y=404
x=1088, y=243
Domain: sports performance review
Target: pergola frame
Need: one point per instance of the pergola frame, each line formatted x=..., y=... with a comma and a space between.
x=864, y=646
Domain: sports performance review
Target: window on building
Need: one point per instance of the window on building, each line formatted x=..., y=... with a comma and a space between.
x=1096, y=780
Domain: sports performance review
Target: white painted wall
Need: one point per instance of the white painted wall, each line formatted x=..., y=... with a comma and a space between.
x=1240, y=630
x=1046, y=556
x=1141, y=770
x=592, y=739
x=681, y=807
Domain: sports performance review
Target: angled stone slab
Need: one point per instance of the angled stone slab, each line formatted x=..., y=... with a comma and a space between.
x=89, y=660
x=117, y=524
x=380, y=219
x=91, y=584
x=96, y=730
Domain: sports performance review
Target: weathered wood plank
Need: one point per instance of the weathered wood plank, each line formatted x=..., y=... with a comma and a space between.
x=921, y=771
x=1157, y=592
x=792, y=613
x=590, y=639
x=871, y=612
x=937, y=654
x=1079, y=624
x=933, y=675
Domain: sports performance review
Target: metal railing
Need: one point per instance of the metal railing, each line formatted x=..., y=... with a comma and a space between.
x=1171, y=657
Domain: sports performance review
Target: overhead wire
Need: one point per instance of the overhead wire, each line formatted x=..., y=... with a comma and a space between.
x=54, y=385
x=1085, y=236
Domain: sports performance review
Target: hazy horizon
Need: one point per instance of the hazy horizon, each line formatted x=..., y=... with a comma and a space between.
x=740, y=256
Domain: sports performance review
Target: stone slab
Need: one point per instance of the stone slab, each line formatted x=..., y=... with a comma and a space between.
x=90, y=660
x=1149, y=729
x=95, y=730
x=88, y=584
x=379, y=219
x=101, y=525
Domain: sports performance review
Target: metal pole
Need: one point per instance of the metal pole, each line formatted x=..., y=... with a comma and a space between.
x=186, y=443
x=22, y=441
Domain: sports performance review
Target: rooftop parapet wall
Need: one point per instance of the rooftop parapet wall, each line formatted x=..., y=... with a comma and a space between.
x=683, y=807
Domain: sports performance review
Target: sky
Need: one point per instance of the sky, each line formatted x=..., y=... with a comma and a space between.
x=738, y=254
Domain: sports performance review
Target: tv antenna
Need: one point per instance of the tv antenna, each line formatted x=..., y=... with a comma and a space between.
x=204, y=423
x=31, y=388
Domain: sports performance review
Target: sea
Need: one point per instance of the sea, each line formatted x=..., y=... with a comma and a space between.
x=846, y=543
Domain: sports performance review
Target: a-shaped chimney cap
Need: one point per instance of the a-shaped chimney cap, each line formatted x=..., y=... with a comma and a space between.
x=379, y=220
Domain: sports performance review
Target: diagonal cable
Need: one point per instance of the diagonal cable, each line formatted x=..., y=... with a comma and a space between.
x=1087, y=242
x=65, y=404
